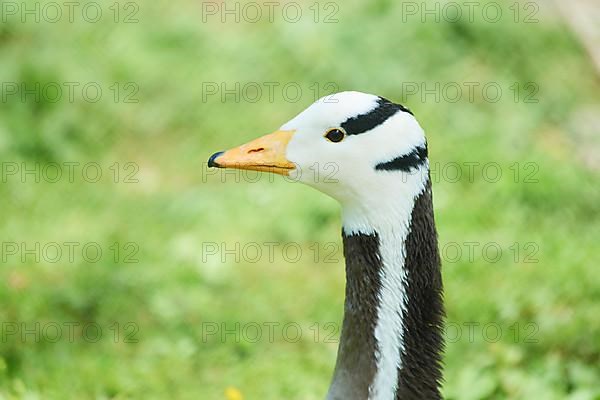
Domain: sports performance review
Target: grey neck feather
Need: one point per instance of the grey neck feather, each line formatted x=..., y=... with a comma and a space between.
x=419, y=369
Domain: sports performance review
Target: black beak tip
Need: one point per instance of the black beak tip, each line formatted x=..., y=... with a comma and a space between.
x=211, y=161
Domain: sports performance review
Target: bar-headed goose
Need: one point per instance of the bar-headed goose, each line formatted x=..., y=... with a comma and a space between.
x=391, y=341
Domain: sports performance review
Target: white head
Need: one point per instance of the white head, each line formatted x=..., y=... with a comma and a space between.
x=360, y=149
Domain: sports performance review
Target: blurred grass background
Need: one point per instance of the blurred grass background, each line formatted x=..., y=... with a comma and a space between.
x=177, y=206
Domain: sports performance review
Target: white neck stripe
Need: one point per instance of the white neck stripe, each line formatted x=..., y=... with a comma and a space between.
x=390, y=313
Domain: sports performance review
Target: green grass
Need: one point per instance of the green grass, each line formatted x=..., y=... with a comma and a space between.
x=173, y=293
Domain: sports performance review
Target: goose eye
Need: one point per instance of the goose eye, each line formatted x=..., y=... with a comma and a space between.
x=335, y=135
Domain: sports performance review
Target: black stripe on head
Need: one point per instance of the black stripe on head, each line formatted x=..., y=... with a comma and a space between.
x=407, y=162
x=365, y=122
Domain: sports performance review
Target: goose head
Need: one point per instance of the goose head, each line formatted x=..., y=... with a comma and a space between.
x=361, y=149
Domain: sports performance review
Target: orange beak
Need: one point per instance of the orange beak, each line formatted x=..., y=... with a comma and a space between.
x=266, y=153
